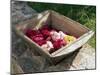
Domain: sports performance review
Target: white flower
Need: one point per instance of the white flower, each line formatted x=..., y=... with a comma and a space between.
x=55, y=35
x=49, y=43
x=62, y=35
x=47, y=46
x=44, y=46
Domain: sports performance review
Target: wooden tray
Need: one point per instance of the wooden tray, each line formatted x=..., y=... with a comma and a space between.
x=60, y=22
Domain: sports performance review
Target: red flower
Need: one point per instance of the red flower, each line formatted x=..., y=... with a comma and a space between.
x=45, y=32
x=41, y=42
x=43, y=35
x=37, y=38
x=58, y=44
x=48, y=38
x=29, y=32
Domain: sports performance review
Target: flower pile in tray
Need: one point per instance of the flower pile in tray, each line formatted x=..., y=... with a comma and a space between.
x=49, y=38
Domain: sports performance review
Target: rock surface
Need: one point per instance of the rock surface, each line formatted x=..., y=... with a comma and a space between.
x=31, y=62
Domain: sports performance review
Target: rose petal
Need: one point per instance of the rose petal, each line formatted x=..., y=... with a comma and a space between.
x=30, y=32
x=41, y=42
x=45, y=32
x=48, y=38
x=59, y=43
x=37, y=38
